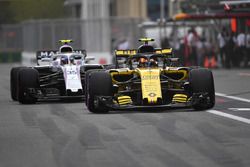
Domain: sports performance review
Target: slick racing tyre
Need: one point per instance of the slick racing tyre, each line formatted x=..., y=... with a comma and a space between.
x=27, y=78
x=201, y=81
x=85, y=86
x=87, y=74
x=13, y=82
x=99, y=84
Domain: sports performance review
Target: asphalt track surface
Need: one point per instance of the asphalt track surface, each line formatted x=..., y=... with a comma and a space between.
x=57, y=134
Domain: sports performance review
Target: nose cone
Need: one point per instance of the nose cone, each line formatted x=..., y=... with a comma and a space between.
x=150, y=85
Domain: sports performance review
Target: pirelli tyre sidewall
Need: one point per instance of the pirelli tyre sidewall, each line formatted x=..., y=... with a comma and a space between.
x=201, y=80
x=13, y=82
x=27, y=78
x=99, y=84
x=87, y=74
x=86, y=82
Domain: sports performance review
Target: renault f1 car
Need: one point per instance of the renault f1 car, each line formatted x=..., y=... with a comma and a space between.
x=62, y=77
x=148, y=78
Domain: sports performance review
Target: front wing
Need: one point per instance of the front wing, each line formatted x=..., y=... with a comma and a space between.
x=52, y=94
x=108, y=101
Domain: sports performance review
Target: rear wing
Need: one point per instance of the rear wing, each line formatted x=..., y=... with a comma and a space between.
x=48, y=54
x=122, y=56
x=125, y=52
x=168, y=51
x=132, y=52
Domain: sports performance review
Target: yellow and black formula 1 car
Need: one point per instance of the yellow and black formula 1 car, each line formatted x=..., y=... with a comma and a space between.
x=148, y=78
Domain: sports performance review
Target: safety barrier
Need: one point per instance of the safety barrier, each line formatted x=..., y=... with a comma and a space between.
x=10, y=57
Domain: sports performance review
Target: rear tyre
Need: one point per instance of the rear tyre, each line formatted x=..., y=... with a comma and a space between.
x=99, y=83
x=202, y=81
x=27, y=78
x=13, y=82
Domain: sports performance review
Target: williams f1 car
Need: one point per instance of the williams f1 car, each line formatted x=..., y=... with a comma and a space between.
x=62, y=77
x=148, y=78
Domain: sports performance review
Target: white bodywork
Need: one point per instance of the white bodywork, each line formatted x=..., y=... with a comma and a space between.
x=72, y=77
x=70, y=63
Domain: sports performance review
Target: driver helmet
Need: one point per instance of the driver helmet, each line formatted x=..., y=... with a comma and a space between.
x=72, y=60
x=153, y=62
x=142, y=62
x=64, y=60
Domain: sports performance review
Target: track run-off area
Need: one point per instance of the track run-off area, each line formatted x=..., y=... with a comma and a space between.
x=62, y=134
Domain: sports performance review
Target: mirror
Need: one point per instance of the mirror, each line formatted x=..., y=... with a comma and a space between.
x=89, y=58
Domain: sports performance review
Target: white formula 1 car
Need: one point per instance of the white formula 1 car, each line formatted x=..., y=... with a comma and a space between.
x=62, y=78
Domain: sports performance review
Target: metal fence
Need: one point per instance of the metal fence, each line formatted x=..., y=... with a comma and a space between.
x=11, y=38
x=176, y=31
x=98, y=35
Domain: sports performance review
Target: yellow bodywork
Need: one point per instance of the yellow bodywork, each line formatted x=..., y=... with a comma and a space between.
x=150, y=84
x=125, y=52
x=150, y=77
x=66, y=41
x=180, y=98
x=146, y=39
x=124, y=100
x=164, y=51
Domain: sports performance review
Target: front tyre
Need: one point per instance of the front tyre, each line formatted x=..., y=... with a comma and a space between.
x=13, y=82
x=27, y=78
x=99, y=84
x=202, y=81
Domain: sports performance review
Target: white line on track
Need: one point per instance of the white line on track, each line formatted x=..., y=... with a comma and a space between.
x=234, y=117
x=244, y=74
x=239, y=109
x=237, y=118
x=232, y=97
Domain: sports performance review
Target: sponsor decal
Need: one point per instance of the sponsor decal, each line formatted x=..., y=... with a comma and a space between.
x=150, y=88
x=47, y=54
x=71, y=72
x=150, y=77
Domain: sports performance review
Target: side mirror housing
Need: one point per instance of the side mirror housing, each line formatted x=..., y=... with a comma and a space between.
x=89, y=58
